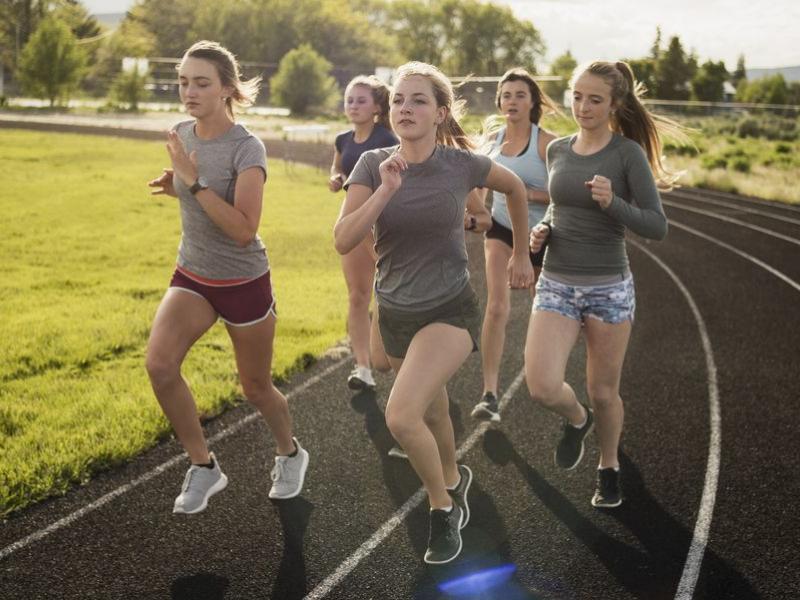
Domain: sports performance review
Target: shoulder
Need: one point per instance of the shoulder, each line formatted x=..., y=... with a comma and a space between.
x=377, y=156
x=183, y=127
x=385, y=134
x=558, y=145
x=343, y=136
x=247, y=140
x=545, y=137
x=630, y=151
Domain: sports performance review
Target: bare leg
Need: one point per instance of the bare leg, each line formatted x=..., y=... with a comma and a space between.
x=182, y=318
x=498, y=307
x=359, y=270
x=253, y=347
x=417, y=409
x=606, y=345
x=380, y=361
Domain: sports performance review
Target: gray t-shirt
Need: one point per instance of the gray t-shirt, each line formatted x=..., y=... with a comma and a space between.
x=419, y=236
x=586, y=239
x=205, y=249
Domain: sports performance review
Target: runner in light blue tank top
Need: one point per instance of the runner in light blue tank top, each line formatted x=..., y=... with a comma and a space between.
x=520, y=146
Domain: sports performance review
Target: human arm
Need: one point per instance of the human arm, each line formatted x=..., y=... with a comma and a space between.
x=337, y=178
x=238, y=221
x=363, y=205
x=477, y=217
x=506, y=182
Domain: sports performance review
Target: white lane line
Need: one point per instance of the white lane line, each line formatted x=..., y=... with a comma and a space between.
x=770, y=205
x=752, y=259
x=713, y=215
x=82, y=512
x=363, y=551
x=691, y=569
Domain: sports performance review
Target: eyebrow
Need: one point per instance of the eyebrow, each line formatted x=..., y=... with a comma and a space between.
x=195, y=78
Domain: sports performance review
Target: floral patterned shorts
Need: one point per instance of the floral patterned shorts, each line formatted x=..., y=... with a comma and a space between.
x=611, y=303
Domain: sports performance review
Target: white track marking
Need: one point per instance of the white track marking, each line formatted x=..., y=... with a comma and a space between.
x=752, y=259
x=691, y=569
x=365, y=549
x=704, y=197
x=82, y=512
x=713, y=215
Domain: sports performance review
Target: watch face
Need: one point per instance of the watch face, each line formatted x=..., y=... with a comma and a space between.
x=201, y=181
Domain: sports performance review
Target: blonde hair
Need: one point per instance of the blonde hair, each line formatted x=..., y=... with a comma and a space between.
x=380, y=95
x=449, y=132
x=632, y=119
x=244, y=92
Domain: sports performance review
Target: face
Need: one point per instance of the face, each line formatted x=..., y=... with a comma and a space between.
x=516, y=101
x=359, y=105
x=591, y=102
x=413, y=112
x=201, y=90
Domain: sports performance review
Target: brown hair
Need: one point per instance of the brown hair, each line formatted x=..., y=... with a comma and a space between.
x=541, y=100
x=449, y=132
x=632, y=119
x=244, y=92
x=380, y=95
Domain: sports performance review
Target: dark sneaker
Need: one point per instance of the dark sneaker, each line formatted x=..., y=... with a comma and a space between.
x=459, y=495
x=397, y=452
x=569, y=451
x=487, y=409
x=289, y=473
x=607, y=494
x=444, y=543
x=360, y=379
x=199, y=484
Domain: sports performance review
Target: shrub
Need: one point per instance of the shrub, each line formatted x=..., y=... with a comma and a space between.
x=302, y=81
x=710, y=161
x=783, y=148
x=740, y=163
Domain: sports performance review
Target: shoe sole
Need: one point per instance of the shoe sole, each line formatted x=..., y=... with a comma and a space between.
x=217, y=487
x=359, y=385
x=580, y=456
x=460, y=547
x=395, y=454
x=465, y=511
x=606, y=505
x=296, y=493
x=484, y=414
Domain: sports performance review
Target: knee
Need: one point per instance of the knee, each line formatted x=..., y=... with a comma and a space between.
x=604, y=398
x=401, y=424
x=359, y=299
x=545, y=393
x=497, y=310
x=161, y=370
x=257, y=390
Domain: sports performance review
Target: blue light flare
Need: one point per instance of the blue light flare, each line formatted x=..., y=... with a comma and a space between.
x=480, y=582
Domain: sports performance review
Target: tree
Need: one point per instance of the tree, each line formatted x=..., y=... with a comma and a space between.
x=767, y=90
x=740, y=73
x=644, y=70
x=709, y=81
x=51, y=64
x=128, y=88
x=302, y=80
x=18, y=20
x=655, y=49
x=562, y=66
x=130, y=39
x=673, y=72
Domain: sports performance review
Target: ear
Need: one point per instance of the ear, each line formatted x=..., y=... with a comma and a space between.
x=441, y=114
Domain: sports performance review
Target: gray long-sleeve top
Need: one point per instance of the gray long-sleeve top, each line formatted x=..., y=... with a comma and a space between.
x=589, y=240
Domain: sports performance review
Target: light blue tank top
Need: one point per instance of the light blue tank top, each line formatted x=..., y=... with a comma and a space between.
x=530, y=168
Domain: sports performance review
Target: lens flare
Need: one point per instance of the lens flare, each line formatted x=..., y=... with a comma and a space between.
x=477, y=583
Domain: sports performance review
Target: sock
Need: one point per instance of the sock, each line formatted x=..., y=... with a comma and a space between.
x=293, y=454
x=456, y=485
x=208, y=465
x=447, y=510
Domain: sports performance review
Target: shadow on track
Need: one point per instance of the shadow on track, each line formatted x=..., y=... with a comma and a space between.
x=291, y=580
x=202, y=586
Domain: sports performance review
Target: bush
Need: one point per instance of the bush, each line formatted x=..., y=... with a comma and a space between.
x=740, y=163
x=783, y=148
x=302, y=81
x=771, y=127
x=128, y=89
x=710, y=161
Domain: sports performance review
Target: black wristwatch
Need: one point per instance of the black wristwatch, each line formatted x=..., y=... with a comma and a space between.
x=200, y=184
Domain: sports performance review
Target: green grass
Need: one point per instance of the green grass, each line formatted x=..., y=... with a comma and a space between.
x=87, y=254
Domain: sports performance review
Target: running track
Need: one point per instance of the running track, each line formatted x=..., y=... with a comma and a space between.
x=710, y=464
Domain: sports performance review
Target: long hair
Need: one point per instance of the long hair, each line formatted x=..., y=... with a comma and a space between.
x=244, y=92
x=541, y=101
x=380, y=95
x=449, y=132
x=632, y=119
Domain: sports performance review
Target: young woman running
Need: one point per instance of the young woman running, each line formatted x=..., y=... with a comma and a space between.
x=218, y=173
x=415, y=195
x=601, y=183
x=520, y=146
x=366, y=104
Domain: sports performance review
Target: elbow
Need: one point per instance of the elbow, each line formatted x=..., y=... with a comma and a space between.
x=338, y=241
x=245, y=238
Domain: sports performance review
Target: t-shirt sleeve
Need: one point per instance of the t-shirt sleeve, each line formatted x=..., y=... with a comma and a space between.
x=339, y=142
x=388, y=138
x=365, y=172
x=479, y=167
x=251, y=153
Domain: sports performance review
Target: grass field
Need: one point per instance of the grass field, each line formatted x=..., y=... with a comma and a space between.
x=86, y=256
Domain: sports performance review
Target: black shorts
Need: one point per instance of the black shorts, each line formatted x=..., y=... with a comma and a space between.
x=398, y=327
x=505, y=235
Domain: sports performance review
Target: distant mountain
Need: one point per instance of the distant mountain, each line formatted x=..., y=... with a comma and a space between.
x=110, y=20
x=789, y=73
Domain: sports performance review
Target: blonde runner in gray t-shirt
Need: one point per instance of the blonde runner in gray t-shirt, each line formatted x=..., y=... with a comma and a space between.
x=414, y=196
x=218, y=172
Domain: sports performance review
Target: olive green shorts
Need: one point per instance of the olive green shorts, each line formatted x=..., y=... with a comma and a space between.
x=398, y=327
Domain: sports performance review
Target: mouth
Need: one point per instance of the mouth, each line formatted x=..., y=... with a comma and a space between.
x=406, y=122
x=191, y=104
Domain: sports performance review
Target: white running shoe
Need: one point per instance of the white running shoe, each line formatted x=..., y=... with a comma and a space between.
x=289, y=473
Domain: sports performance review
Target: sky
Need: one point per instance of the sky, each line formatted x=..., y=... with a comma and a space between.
x=766, y=32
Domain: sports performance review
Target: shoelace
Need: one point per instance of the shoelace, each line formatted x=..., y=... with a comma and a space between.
x=189, y=477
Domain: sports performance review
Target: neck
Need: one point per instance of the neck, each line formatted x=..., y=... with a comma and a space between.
x=595, y=137
x=213, y=126
x=417, y=151
x=519, y=129
x=362, y=131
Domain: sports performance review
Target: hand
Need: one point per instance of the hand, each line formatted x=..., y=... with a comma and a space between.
x=165, y=183
x=470, y=222
x=183, y=165
x=520, y=271
x=335, y=182
x=539, y=235
x=601, y=190
x=390, y=170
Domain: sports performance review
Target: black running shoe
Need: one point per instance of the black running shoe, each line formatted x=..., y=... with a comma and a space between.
x=487, y=409
x=444, y=543
x=569, y=451
x=459, y=495
x=608, y=493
